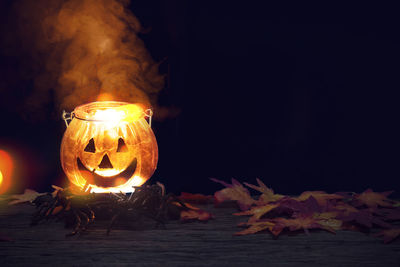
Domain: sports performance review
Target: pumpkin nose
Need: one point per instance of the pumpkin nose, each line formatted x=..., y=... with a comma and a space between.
x=105, y=163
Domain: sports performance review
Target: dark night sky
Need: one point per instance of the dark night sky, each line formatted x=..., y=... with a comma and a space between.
x=303, y=97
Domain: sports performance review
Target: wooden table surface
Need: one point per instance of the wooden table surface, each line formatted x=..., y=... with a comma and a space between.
x=184, y=244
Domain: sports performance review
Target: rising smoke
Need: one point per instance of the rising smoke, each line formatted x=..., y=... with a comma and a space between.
x=76, y=50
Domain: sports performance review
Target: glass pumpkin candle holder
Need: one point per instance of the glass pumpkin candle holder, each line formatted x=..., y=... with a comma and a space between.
x=108, y=147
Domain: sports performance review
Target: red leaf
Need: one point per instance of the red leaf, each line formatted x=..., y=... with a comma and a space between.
x=200, y=215
x=235, y=192
x=297, y=208
x=364, y=218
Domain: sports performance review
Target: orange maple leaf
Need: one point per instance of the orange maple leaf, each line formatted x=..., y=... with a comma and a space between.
x=235, y=192
x=343, y=208
x=374, y=199
x=305, y=223
x=328, y=219
x=267, y=195
x=255, y=227
x=321, y=196
x=258, y=211
x=200, y=215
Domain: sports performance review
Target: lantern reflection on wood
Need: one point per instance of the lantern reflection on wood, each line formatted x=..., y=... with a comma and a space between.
x=109, y=147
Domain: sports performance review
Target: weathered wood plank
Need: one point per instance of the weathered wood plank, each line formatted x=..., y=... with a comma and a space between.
x=180, y=244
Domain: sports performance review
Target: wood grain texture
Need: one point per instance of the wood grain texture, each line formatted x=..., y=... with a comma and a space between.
x=194, y=244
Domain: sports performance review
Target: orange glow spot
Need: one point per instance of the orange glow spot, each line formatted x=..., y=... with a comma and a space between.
x=132, y=112
x=128, y=187
x=88, y=176
x=127, y=113
x=120, y=181
x=105, y=97
x=6, y=169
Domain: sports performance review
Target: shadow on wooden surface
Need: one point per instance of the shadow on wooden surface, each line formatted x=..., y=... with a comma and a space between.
x=183, y=244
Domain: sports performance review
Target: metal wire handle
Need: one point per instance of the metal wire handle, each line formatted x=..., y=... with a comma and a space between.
x=67, y=116
x=149, y=114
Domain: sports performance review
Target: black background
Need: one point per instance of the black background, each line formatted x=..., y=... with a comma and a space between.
x=302, y=97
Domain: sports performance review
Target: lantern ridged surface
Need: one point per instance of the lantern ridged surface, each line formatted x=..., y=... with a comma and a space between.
x=109, y=147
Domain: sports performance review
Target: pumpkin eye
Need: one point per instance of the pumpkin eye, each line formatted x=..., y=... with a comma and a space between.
x=90, y=146
x=122, y=146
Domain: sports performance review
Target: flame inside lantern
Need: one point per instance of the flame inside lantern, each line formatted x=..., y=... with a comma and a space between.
x=109, y=147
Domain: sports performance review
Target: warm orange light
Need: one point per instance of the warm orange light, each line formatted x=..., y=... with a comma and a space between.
x=132, y=112
x=125, y=188
x=6, y=169
x=112, y=117
x=104, y=97
x=109, y=147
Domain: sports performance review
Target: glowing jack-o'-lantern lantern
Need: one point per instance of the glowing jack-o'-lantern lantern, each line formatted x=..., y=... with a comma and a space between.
x=109, y=147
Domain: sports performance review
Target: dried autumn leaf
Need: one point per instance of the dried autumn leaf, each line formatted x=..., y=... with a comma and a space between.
x=388, y=214
x=255, y=227
x=297, y=208
x=342, y=208
x=321, y=196
x=28, y=196
x=301, y=223
x=373, y=199
x=325, y=215
x=328, y=219
x=267, y=195
x=188, y=212
x=187, y=205
x=364, y=218
x=200, y=215
x=235, y=192
x=258, y=211
x=286, y=206
x=195, y=198
x=389, y=235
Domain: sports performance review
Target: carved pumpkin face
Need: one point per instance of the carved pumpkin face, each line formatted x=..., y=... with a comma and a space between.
x=110, y=152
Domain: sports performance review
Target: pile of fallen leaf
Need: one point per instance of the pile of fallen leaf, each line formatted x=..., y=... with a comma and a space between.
x=79, y=209
x=312, y=210
x=275, y=213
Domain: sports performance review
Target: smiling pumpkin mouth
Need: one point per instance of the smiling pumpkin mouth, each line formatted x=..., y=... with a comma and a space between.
x=107, y=181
